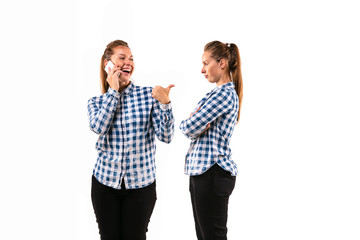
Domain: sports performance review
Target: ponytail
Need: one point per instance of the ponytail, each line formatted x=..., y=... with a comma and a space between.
x=235, y=72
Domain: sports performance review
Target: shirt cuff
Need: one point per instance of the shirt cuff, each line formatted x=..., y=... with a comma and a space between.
x=112, y=92
x=165, y=107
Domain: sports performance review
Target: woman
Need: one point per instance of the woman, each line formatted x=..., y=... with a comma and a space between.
x=210, y=127
x=126, y=117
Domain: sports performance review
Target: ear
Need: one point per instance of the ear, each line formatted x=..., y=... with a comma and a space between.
x=222, y=64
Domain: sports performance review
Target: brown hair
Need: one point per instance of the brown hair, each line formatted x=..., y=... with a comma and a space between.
x=230, y=52
x=109, y=51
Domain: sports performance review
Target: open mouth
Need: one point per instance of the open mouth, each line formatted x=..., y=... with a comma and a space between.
x=126, y=71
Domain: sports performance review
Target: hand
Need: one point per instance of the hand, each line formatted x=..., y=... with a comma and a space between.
x=162, y=94
x=207, y=126
x=191, y=114
x=113, y=77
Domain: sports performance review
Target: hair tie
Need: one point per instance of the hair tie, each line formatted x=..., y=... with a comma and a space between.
x=228, y=44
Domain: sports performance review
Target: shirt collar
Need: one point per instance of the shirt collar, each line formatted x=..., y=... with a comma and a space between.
x=225, y=85
x=128, y=90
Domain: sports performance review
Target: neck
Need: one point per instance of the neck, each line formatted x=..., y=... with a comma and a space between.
x=123, y=86
x=224, y=79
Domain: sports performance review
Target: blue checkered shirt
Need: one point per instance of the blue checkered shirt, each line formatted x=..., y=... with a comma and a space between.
x=127, y=123
x=219, y=108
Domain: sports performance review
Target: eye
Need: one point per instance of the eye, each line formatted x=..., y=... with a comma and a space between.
x=122, y=58
x=131, y=59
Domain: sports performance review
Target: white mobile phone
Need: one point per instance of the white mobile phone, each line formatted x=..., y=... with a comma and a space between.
x=109, y=65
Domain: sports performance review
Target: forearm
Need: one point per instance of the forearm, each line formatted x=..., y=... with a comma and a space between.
x=164, y=122
x=167, y=129
x=192, y=128
x=101, y=114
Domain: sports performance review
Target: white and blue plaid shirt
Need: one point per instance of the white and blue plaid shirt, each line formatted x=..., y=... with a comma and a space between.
x=127, y=123
x=219, y=108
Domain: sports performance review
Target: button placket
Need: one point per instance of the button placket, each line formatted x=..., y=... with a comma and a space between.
x=123, y=140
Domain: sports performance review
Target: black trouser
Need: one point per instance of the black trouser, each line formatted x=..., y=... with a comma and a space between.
x=122, y=214
x=210, y=194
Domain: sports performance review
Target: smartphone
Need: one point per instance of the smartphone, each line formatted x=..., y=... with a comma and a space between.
x=109, y=65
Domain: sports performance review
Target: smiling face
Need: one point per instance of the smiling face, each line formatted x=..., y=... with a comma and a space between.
x=123, y=58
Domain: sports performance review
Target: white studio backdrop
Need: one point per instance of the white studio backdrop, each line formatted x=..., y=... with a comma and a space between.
x=296, y=146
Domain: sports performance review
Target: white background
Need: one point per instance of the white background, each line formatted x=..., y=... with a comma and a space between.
x=297, y=144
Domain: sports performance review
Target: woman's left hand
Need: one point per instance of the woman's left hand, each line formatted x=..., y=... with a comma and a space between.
x=162, y=94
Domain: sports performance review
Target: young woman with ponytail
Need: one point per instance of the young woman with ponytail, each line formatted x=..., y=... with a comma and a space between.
x=210, y=127
x=126, y=117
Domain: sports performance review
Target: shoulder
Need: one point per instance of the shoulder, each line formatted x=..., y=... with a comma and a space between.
x=96, y=99
x=223, y=92
x=224, y=96
x=108, y=94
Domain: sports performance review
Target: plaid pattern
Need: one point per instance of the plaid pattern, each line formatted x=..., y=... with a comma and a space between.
x=127, y=123
x=219, y=108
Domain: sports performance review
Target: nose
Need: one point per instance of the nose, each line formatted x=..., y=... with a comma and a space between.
x=127, y=63
x=203, y=70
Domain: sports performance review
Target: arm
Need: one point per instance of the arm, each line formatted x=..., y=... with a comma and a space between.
x=163, y=121
x=101, y=113
x=217, y=104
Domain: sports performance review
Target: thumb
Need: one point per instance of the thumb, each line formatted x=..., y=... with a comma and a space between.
x=169, y=87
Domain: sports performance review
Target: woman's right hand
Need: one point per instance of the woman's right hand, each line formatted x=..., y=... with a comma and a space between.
x=113, y=77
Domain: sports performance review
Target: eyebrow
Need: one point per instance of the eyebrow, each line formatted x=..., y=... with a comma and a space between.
x=124, y=55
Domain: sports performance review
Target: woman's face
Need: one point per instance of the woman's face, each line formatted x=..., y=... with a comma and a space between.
x=123, y=58
x=211, y=68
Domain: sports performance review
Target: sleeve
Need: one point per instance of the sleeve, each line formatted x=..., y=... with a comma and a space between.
x=101, y=112
x=218, y=103
x=163, y=121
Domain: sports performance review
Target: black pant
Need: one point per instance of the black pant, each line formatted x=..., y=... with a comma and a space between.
x=122, y=214
x=210, y=194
